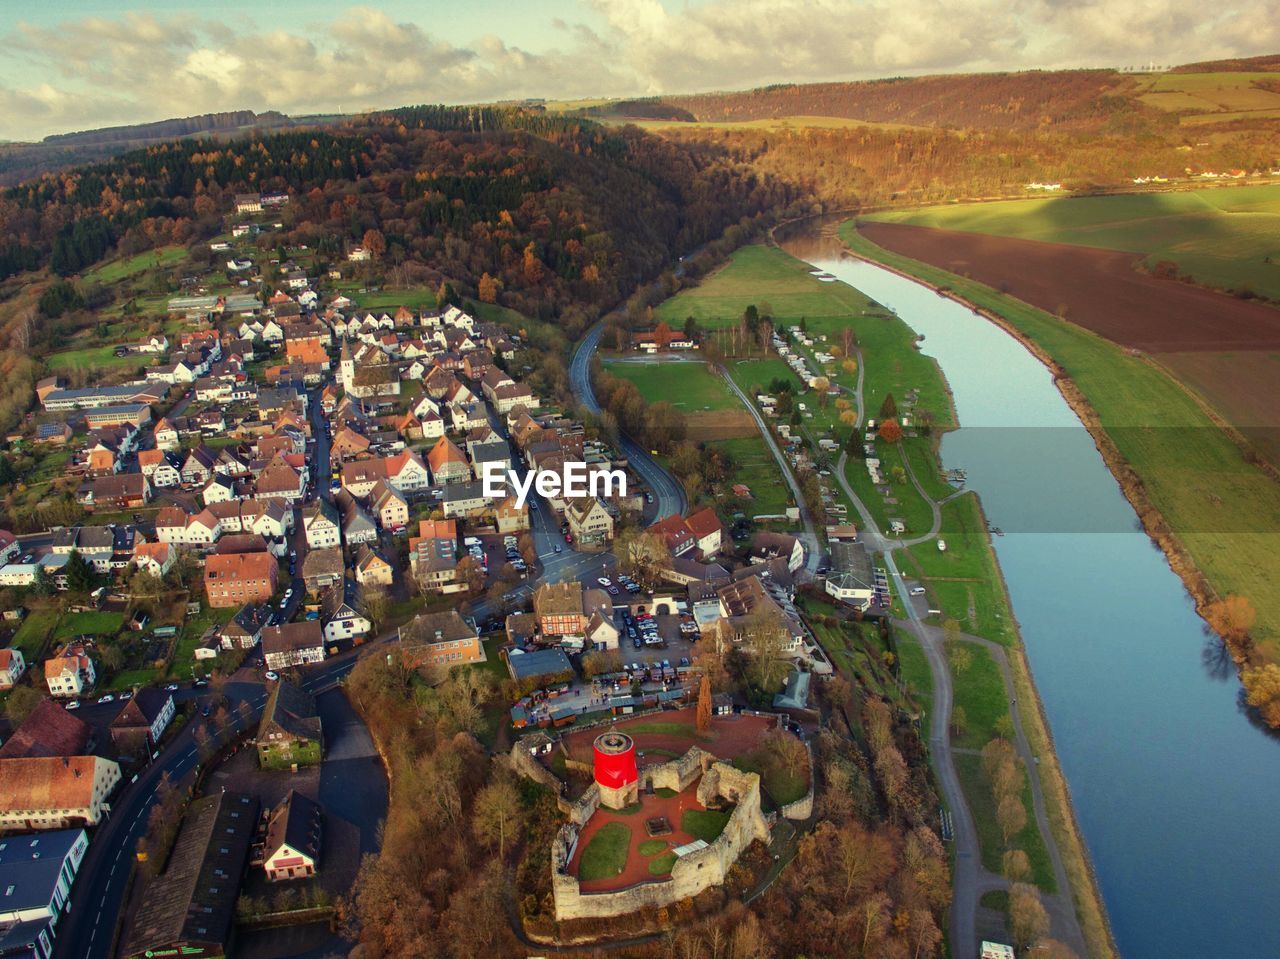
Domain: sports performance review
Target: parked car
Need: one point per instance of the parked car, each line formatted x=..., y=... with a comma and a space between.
x=171, y=688
x=73, y=704
x=604, y=581
x=108, y=698
x=271, y=675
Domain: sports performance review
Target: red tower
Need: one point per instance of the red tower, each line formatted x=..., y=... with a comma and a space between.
x=614, y=766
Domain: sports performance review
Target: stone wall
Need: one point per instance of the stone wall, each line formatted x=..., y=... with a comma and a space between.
x=802, y=808
x=676, y=774
x=523, y=763
x=692, y=873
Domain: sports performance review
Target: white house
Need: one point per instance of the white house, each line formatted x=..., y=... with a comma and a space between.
x=321, y=526
x=12, y=666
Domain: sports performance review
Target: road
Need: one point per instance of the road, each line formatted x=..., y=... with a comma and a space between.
x=669, y=496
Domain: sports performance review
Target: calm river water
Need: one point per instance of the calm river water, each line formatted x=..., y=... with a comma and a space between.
x=1171, y=782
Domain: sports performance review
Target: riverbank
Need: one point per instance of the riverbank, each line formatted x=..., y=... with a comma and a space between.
x=1062, y=823
x=1229, y=549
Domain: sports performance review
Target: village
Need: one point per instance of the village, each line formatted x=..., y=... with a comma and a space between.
x=294, y=482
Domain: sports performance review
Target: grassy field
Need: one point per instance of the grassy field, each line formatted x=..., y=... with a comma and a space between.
x=913, y=668
x=964, y=581
x=755, y=467
x=606, y=853
x=124, y=268
x=101, y=357
x=980, y=692
x=1212, y=97
x=688, y=386
x=1223, y=511
x=92, y=624
x=413, y=297
x=782, y=287
x=1226, y=238
x=34, y=632
x=692, y=388
x=981, y=802
x=704, y=824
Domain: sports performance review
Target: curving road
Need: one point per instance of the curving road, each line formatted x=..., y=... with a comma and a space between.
x=668, y=495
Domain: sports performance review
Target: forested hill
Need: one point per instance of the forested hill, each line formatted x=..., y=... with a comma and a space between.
x=171, y=129
x=22, y=161
x=567, y=216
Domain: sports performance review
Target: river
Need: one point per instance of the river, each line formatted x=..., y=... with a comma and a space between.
x=1171, y=781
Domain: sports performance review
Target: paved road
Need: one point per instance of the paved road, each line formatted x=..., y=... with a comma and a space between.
x=669, y=495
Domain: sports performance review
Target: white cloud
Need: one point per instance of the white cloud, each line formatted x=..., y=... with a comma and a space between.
x=96, y=71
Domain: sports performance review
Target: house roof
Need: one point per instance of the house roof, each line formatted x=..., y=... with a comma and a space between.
x=31, y=868
x=558, y=599
x=194, y=899
x=428, y=628
x=49, y=730
x=704, y=522
x=322, y=562
x=296, y=823
x=293, y=710
x=542, y=662
x=225, y=566
x=443, y=453
x=47, y=782
x=143, y=710
x=292, y=636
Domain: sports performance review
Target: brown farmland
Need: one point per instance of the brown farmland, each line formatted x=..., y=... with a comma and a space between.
x=1101, y=290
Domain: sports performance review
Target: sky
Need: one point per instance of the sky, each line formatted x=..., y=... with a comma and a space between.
x=80, y=64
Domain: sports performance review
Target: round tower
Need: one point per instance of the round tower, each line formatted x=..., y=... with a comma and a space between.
x=614, y=767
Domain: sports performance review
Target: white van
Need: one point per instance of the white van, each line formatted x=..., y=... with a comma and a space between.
x=917, y=590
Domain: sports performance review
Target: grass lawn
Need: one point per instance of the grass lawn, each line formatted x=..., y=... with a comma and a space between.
x=34, y=632
x=915, y=672
x=1224, y=238
x=606, y=853
x=94, y=357
x=129, y=266
x=964, y=578
x=688, y=386
x=128, y=678
x=661, y=865
x=704, y=824
x=981, y=802
x=651, y=847
x=413, y=297
x=184, y=662
x=755, y=467
x=93, y=624
x=1194, y=474
x=980, y=691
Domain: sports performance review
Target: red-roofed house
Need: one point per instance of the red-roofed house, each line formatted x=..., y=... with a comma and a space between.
x=707, y=531
x=238, y=578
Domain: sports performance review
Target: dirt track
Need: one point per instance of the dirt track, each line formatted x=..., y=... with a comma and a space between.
x=1098, y=289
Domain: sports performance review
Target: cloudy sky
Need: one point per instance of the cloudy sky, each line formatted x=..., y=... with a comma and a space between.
x=79, y=64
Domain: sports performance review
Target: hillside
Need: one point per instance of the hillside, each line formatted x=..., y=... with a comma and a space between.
x=1093, y=100
x=564, y=216
x=22, y=161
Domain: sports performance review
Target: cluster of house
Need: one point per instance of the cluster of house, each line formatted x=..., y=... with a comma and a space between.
x=57, y=777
